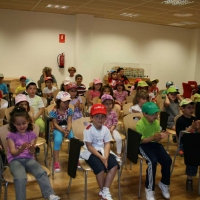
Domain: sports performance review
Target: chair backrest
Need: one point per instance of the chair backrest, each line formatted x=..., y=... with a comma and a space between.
x=79, y=125
x=117, y=109
x=129, y=99
x=20, y=92
x=187, y=90
x=126, y=108
x=4, y=132
x=14, y=84
x=55, y=92
x=193, y=84
x=49, y=108
x=43, y=85
x=161, y=91
x=3, y=103
x=95, y=100
x=160, y=99
x=133, y=93
x=2, y=114
x=44, y=101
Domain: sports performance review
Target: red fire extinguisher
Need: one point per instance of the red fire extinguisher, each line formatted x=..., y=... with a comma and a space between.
x=61, y=60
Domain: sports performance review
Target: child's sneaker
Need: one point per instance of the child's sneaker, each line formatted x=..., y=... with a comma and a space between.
x=181, y=153
x=100, y=193
x=56, y=167
x=149, y=194
x=79, y=166
x=174, y=138
x=165, y=190
x=106, y=194
x=53, y=197
x=189, y=185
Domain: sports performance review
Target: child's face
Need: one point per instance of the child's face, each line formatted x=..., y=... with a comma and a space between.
x=23, y=82
x=119, y=87
x=97, y=86
x=1, y=79
x=71, y=72
x=154, y=84
x=106, y=91
x=98, y=120
x=64, y=105
x=79, y=80
x=73, y=92
x=108, y=104
x=188, y=110
x=24, y=104
x=114, y=75
x=172, y=96
x=151, y=118
x=21, y=124
x=31, y=90
x=121, y=72
x=49, y=83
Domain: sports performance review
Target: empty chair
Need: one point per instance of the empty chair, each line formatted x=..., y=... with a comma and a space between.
x=187, y=90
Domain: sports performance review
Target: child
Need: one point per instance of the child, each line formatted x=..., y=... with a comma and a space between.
x=151, y=94
x=153, y=151
x=197, y=95
x=172, y=106
x=134, y=87
x=95, y=92
x=97, y=138
x=49, y=89
x=106, y=89
x=142, y=85
x=76, y=101
x=62, y=122
x=38, y=105
x=21, y=149
x=22, y=87
x=120, y=94
x=154, y=87
x=3, y=86
x=121, y=76
x=64, y=84
x=81, y=89
x=112, y=78
x=111, y=122
x=168, y=85
x=140, y=98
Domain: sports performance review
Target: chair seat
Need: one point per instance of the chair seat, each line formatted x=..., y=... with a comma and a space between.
x=173, y=132
x=123, y=136
x=8, y=177
x=84, y=165
x=40, y=141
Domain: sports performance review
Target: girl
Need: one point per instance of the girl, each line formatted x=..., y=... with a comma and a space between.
x=151, y=94
x=112, y=78
x=21, y=149
x=111, y=121
x=120, y=94
x=76, y=101
x=62, y=122
x=154, y=87
x=106, y=89
x=95, y=92
x=134, y=87
x=141, y=97
x=142, y=85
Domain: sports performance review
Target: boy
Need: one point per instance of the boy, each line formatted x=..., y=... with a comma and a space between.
x=154, y=87
x=3, y=86
x=187, y=123
x=121, y=76
x=97, y=139
x=22, y=87
x=153, y=151
x=168, y=85
x=50, y=88
x=81, y=89
x=37, y=103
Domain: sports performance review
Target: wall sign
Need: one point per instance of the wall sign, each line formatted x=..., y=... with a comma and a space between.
x=61, y=38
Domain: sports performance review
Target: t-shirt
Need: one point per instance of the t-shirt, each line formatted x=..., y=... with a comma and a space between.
x=147, y=129
x=4, y=88
x=197, y=97
x=20, y=88
x=77, y=113
x=18, y=140
x=135, y=107
x=36, y=102
x=120, y=97
x=124, y=79
x=151, y=96
x=94, y=93
x=111, y=119
x=112, y=82
x=48, y=91
x=155, y=91
x=81, y=89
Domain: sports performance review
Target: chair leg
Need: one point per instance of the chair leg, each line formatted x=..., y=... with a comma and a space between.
x=85, y=191
x=45, y=155
x=173, y=163
x=69, y=186
x=199, y=180
x=6, y=191
x=119, y=186
x=52, y=165
x=168, y=141
x=140, y=179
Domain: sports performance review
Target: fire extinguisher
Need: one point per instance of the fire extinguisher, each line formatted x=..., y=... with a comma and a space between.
x=61, y=60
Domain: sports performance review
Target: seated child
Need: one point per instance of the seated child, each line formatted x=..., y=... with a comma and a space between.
x=142, y=85
x=151, y=94
x=168, y=85
x=197, y=95
x=64, y=84
x=134, y=87
x=49, y=89
x=3, y=86
x=154, y=87
x=97, y=139
x=81, y=89
x=22, y=87
x=153, y=151
x=112, y=78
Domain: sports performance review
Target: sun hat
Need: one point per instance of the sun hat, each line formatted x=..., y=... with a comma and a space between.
x=105, y=97
x=186, y=102
x=142, y=84
x=48, y=78
x=22, y=77
x=169, y=83
x=1, y=76
x=20, y=98
x=155, y=80
x=98, y=109
x=150, y=108
x=71, y=85
x=67, y=81
x=172, y=90
x=63, y=96
x=97, y=80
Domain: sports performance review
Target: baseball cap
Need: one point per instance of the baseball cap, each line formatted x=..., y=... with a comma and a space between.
x=48, y=78
x=137, y=80
x=71, y=85
x=29, y=82
x=1, y=76
x=63, y=96
x=172, y=90
x=98, y=109
x=97, y=80
x=169, y=83
x=22, y=77
x=150, y=108
x=67, y=81
x=142, y=84
x=186, y=102
x=119, y=83
x=155, y=80
x=112, y=71
x=20, y=98
x=105, y=97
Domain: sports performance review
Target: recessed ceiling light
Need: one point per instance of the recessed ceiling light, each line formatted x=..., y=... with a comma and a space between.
x=183, y=14
x=57, y=6
x=129, y=15
x=177, y=2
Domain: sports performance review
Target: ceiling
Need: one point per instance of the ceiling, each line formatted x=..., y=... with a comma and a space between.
x=147, y=11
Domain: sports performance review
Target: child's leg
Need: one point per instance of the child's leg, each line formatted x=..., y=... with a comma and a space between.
x=100, y=179
x=58, y=136
x=18, y=171
x=118, y=140
x=37, y=171
x=41, y=124
x=190, y=171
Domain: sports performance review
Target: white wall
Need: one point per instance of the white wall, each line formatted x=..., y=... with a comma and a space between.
x=29, y=42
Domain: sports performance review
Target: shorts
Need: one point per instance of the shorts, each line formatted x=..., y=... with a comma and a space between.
x=41, y=124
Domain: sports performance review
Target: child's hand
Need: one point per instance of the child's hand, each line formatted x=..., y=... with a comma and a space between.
x=157, y=137
x=104, y=161
x=164, y=134
x=66, y=133
x=77, y=104
x=197, y=125
x=23, y=147
x=31, y=148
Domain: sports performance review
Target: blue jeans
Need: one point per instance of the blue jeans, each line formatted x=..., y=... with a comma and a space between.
x=18, y=169
x=58, y=137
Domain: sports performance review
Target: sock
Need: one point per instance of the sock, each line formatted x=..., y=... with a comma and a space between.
x=105, y=188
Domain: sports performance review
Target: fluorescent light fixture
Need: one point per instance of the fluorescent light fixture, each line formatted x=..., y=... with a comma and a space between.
x=49, y=6
x=57, y=6
x=177, y=2
x=183, y=23
x=129, y=15
x=183, y=15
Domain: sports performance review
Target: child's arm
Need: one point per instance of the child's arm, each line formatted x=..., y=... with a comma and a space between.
x=31, y=147
x=78, y=105
x=112, y=129
x=40, y=112
x=55, y=124
x=89, y=99
x=69, y=125
x=167, y=102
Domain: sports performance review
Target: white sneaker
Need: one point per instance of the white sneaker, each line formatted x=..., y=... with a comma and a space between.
x=53, y=197
x=106, y=194
x=165, y=190
x=100, y=193
x=149, y=194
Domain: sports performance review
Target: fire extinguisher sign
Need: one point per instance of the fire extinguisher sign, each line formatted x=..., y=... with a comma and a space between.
x=61, y=38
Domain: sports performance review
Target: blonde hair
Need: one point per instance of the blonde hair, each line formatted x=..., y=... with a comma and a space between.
x=70, y=68
x=140, y=94
x=46, y=69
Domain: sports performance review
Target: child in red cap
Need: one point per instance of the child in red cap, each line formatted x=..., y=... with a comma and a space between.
x=22, y=87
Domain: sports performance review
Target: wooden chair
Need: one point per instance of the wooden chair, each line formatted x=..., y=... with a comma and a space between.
x=161, y=91
x=95, y=100
x=126, y=108
x=3, y=103
x=7, y=176
x=2, y=114
x=187, y=90
x=160, y=99
x=84, y=105
x=55, y=92
x=129, y=99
